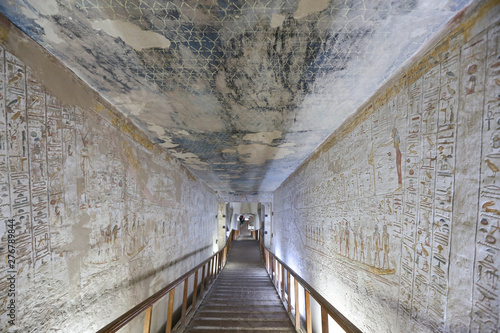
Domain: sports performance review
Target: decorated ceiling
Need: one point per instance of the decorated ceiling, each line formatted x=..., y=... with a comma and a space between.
x=240, y=91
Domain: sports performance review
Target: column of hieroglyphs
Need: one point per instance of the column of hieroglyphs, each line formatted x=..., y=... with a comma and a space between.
x=37, y=156
x=55, y=170
x=5, y=211
x=410, y=180
x=426, y=192
x=17, y=128
x=481, y=57
x=400, y=107
x=37, y=141
x=445, y=164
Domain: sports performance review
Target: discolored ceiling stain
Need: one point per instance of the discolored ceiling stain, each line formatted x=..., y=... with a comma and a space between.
x=240, y=91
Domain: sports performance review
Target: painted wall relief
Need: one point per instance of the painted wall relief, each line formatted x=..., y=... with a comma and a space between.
x=92, y=209
x=374, y=212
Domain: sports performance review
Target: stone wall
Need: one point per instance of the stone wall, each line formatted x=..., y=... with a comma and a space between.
x=101, y=217
x=395, y=219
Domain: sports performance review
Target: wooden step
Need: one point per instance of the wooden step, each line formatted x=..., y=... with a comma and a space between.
x=242, y=298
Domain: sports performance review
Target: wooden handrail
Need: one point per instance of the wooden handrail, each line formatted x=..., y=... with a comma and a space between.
x=124, y=319
x=326, y=306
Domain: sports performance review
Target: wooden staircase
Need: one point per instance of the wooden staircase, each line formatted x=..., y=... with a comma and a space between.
x=243, y=298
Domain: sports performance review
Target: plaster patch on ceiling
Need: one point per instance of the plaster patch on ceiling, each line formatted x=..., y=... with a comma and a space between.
x=307, y=7
x=167, y=142
x=230, y=176
x=158, y=130
x=197, y=167
x=162, y=138
x=265, y=137
x=192, y=160
x=417, y=32
x=132, y=35
x=139, y=101
x=49, y=28
x=277, y=20
x=45, y=7
x=259, y=154
x=288, y=144
x=229, y=151
x=204, y=110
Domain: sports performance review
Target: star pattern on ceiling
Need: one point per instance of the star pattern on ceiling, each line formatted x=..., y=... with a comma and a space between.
x=240, y=91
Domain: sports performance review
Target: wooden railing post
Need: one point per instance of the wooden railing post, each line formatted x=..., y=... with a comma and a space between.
x=324, y=320
x=289, y=301
x=308, y=311
x=202, y=287
x=184, y=302
x=207, y=278
x=214, y=270
x=147, y=320
x=278, y=277
x=278, y=271
x=209, y=271
x=195, y=288
x=272, y=268
x=297, y=311
x=223, y=255
x=277, y=281
x=268, y=259
x=170, y=311
x=216, y=265
x=282, y=283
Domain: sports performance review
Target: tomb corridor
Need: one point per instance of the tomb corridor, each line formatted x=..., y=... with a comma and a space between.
x=249, y=165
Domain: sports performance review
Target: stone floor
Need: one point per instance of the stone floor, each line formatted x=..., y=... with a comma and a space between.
x=243, y=298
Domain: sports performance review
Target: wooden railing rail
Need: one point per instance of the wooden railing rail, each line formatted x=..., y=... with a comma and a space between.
x=212, y=267
x=277, y=270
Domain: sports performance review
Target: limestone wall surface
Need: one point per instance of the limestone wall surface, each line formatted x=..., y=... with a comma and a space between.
x=94, y=217
x=396, y=218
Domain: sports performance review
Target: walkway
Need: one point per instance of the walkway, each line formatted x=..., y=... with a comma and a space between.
x=243, y=298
